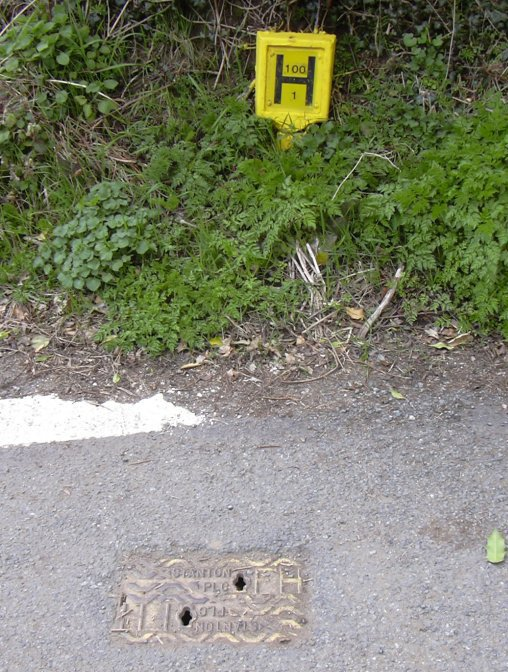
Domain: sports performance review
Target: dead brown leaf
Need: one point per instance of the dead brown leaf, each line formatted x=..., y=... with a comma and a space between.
x=39, y=342
x=255, y=344
x=225, y=350
x=19, y=313
x=356, y=313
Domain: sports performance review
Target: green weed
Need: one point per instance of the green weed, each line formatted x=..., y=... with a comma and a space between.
x=446, y=218
x=74, y=69
x=91, y=249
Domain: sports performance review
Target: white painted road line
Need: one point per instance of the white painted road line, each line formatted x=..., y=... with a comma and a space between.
x=44, y=419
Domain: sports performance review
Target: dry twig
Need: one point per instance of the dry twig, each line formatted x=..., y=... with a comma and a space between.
x=452, y=37
x=386, y=300
x=305, y=264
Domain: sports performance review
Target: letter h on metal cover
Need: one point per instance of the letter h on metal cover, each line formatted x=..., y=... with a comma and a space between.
x=281, y=79
x=289, y=583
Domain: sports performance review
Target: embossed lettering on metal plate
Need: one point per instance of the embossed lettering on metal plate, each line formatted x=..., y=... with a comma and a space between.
x=243, y=600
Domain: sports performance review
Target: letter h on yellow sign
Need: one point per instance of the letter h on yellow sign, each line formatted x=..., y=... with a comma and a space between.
x=294, y=77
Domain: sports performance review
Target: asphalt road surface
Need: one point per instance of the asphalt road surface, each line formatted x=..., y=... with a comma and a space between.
x=387, y=514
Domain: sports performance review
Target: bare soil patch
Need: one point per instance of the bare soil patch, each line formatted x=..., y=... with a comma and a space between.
x=247, y=376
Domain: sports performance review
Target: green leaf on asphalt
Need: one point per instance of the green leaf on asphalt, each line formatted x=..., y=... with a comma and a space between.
x=495, y=547
x=396, y=394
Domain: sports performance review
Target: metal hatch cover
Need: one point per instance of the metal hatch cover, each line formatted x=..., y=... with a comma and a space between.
x=197, y=598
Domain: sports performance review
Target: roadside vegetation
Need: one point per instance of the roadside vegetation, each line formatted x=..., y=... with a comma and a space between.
x=137, y=184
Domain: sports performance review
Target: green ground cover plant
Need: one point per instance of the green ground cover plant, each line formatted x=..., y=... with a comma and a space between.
x=134, y=171
x=106, y=235
x=446, y=217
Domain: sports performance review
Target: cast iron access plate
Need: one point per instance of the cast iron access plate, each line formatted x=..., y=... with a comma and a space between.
x=198, y=598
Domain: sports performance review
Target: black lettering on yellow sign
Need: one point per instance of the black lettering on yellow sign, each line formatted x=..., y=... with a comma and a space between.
x=307, y=81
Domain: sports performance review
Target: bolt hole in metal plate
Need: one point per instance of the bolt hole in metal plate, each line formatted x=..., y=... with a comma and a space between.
x=197, y=598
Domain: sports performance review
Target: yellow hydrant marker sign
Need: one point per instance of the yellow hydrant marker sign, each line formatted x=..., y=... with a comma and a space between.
x=294, y=77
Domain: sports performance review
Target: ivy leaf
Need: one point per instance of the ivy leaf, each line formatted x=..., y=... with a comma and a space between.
x=495, y=547
x=12, y=65
x=93, y=87
x=110, y=84
x=88, y=111
x=10, y=120
x=63, y=58
x=61, y=97
x=93, y=284
x=42, y=46
x=105, y=106
x=142, y=247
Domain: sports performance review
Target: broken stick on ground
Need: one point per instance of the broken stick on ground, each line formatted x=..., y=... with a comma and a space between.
x=386, y=300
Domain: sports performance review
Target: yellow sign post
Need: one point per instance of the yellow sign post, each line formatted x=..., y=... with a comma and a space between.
x=294, y=78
